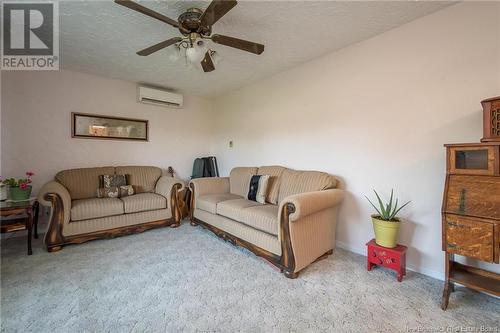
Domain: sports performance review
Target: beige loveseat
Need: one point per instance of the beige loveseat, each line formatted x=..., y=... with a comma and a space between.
x=293, y=229
x=79, y=216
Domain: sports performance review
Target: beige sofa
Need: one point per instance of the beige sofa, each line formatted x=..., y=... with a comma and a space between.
x=293, y=229
x=79, y=216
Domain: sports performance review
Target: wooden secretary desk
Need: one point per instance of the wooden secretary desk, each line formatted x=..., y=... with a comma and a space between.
x=471, y=215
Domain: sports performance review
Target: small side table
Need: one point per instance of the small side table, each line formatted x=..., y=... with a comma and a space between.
x=13, y=208
x=394, y=258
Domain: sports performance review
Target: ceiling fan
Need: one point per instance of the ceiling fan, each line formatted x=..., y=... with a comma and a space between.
x=196, y=25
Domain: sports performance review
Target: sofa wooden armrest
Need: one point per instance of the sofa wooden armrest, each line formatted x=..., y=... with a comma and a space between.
x=169, y=188
x=307, y=228
x=56, y=196
x=57, y=188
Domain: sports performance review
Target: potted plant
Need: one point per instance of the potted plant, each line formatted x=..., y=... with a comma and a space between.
x=3, y=190
x=19, y=189
x=386, y=223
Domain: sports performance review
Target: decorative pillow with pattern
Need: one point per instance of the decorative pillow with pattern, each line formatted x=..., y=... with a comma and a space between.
x=112, y=180
x=114, y=186
x=108, y=192
x=126, y=190
x=258, y=188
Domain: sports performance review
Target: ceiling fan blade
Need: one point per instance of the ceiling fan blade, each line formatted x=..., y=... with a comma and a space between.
x=207, y=63
x=146, y=11
x=238, y=43
x=215, y=11
x=159, y=46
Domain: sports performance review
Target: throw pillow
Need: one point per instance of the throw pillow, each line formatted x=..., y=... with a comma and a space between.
x=126, y=190
x=258, y=188
x=114, y=186
x=112, y=180
x=108, y=192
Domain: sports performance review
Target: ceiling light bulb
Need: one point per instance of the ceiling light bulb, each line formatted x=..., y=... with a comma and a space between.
x=202, y=46
x=194, y=55
x=175, y=53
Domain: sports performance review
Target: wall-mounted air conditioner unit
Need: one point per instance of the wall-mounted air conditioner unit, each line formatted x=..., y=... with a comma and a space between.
x=155, y=96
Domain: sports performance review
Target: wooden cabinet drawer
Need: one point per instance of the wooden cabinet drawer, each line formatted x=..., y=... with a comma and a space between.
x=469, y=237
x=477, y=196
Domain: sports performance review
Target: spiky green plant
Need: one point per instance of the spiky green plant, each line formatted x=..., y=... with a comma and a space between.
x=387, y=212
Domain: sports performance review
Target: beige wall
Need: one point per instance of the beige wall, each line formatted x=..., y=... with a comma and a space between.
x=36, y=135
x=376, y=114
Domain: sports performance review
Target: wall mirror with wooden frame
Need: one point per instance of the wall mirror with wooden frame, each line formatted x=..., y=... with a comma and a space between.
x=91, y=126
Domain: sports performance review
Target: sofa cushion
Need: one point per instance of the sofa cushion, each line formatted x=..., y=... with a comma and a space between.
x=242, y=231
x=143, y=202
x=84, y=209
x=273, y=185
x=83, y=183
x=208, y=202
x=143, y=178
x=233, y=208
x=295, y=182
x=264, y=218
x=239, y=180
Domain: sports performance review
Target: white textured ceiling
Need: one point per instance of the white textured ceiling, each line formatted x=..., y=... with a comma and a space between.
x=102, y=37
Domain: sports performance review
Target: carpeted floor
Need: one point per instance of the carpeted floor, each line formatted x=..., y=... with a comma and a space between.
x=188, y=280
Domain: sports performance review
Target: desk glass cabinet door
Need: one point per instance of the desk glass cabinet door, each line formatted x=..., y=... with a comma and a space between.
x=473, y=160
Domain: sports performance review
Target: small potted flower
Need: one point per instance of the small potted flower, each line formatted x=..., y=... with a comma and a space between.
x=19, y=189
x=385, y=223
x=3, y=190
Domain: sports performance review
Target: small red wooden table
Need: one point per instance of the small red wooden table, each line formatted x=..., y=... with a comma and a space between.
x=392, y=258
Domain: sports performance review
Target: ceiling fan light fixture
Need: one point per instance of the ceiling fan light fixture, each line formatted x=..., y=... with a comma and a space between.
x=192, y=54
x=175, y=54
x=196, y=53
x=195, y=25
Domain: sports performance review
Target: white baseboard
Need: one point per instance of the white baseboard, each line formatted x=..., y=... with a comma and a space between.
x=421, y=270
